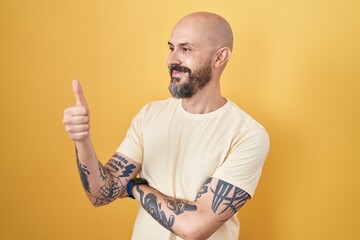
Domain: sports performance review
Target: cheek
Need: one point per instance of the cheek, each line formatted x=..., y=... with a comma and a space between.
x=200, y=62
x=194, y=63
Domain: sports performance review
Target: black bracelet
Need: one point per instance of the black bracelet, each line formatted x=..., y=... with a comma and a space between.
x=132, y=183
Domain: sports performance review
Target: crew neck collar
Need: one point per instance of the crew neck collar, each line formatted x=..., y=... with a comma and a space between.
x=216, y=112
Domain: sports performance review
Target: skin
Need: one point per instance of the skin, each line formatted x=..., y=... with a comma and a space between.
x=197, y=41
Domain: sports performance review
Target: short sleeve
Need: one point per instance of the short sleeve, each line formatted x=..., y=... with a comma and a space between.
x=243, y=164
x=132, y=145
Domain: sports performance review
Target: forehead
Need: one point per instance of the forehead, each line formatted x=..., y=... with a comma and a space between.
x=188, y=33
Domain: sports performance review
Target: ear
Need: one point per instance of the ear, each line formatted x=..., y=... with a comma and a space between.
x=221, y=56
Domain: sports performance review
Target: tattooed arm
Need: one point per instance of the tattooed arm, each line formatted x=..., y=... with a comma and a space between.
x=216, y=202
x=102, y=184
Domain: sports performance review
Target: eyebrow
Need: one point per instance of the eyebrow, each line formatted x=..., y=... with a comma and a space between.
x=181, y=44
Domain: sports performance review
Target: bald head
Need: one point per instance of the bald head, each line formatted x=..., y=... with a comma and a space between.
x=200, y=46
x=208, y=27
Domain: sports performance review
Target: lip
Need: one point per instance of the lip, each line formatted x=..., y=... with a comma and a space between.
x=174, y=73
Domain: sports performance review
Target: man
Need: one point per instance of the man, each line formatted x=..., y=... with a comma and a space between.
x=199, y=156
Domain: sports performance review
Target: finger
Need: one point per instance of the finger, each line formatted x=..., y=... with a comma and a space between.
x=83, y=128
x=80, y=98
x=76, y=120
x=76, y=111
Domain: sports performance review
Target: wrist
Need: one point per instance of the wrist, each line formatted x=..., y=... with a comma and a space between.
x=132, y=183
x=84, y=141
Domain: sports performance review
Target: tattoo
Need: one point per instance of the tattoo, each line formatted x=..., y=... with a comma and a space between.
x=83, y=172
x=222, y=197
x=114, y=183
x=128, y=170
x=179, y=206
x=118, y=162
x=151, y=205
x=102, y=172
x=204, y=189
x=109, y=192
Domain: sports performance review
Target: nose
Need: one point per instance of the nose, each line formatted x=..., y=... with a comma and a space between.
x=173, y=59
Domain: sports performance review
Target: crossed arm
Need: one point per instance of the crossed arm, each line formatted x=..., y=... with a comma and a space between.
x=216, y=202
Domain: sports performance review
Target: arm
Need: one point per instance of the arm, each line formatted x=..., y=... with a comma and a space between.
x=102, y=184
x=216, y=202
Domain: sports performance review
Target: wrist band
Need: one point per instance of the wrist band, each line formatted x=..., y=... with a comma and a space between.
x=132, y=183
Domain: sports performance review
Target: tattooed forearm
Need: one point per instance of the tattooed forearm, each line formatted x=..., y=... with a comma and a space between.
x=151, y=205
x=105, y=183
x=228, y=197
x=114, y=179
x=179, y=206
x=217, y=201
x=84, y=173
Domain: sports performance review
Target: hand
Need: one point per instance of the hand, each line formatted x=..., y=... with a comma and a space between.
x=76, y=118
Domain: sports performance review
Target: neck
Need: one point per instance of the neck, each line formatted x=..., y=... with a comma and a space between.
x=205, y=100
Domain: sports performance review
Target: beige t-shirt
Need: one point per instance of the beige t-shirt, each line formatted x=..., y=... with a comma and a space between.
x=179, y=151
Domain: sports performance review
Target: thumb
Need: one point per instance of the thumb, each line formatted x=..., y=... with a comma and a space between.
x=80, y=98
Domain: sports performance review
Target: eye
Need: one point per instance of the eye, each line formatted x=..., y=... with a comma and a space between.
x=171, y=49
x=184, y=49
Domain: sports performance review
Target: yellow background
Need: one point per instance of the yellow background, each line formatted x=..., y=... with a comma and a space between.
x=295, y=68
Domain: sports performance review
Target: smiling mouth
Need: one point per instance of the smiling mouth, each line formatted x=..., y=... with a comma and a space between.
x=176, y=70
x=176, y=73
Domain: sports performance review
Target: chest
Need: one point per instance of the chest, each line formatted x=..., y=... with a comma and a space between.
x=179, y=155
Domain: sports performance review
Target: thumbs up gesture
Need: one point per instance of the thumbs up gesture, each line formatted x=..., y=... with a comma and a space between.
x=76, y=118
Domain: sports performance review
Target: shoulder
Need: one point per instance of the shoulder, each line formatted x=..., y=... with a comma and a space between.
x=246, y=127
x=242, y=118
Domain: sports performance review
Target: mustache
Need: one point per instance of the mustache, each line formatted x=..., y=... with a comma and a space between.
x=179, y=68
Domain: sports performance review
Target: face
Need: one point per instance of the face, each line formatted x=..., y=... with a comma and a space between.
x=189, y=64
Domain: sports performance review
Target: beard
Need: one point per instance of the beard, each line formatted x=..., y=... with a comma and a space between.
x=195, y=81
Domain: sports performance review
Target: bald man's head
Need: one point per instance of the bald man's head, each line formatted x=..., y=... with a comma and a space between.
x=207, y=27
x=200, y=46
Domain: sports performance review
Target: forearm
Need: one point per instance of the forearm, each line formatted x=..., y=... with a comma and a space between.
x=184, y=218
x=103, y=184
x=216, y=202
x=91, y=171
